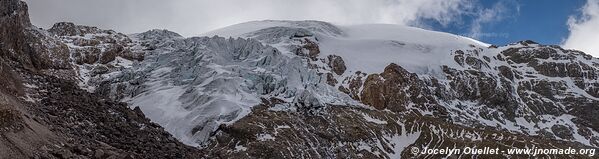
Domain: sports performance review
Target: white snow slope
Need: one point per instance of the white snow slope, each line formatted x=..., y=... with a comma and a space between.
x=369, y=48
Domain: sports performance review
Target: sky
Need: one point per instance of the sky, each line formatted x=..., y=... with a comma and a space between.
x=572, y=24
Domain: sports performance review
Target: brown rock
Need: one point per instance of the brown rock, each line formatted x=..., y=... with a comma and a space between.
x=562, y=132
x=312, y=47
x=331, y=79
x=395, y=89
x=373, y=93
x=336, y=63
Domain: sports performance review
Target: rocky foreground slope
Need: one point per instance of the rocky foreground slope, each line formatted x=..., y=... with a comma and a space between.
x=45, y=114
x=284, y=89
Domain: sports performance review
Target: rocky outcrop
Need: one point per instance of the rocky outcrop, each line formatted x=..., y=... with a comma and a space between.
x=353, y=85
x=308, y=48
x=70, y=29
x=399, y=90
x=54, y=118
x=331, y=79
x=524, y=83
x=43, y=116
x=151, y=39
x=342, y=132
x=336, y=64
x=90, y=45
x=24, y=43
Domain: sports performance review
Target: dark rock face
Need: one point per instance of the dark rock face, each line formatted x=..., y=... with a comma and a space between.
x=395, y=89
x=14, y=13
x=348, y=134
x=102, y=127
x=10, y=120
x=336, y=63
x=70, y=29
x=355, y=83
x=157, y=34
x=308, y=49
x=528, y=82
x=67, y=122
x=555, y=62
x=24, y=43
x=331, y=79
x=535, y=81
x=506, y=72
x=93, y=45
x=562, y=131
x=151, y=38
x=45, y=115
x=42, y=116
x=479, y=86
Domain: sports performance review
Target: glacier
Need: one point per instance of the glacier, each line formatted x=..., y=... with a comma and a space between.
x=191, y=86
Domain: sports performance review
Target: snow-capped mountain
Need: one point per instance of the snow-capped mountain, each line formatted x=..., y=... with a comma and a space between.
x=286, y=89
x=192, y=86
x=523, y=87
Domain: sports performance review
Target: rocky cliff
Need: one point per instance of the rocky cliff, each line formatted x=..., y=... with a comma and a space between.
x=45, y=114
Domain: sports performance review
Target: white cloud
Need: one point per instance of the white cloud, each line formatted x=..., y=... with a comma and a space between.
x=191, y=17
x=584, y=30
x=498, y=12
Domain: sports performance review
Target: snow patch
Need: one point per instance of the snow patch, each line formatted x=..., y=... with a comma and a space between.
x=368, y=118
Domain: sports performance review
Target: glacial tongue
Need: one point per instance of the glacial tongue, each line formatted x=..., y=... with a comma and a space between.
x=193, y=85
